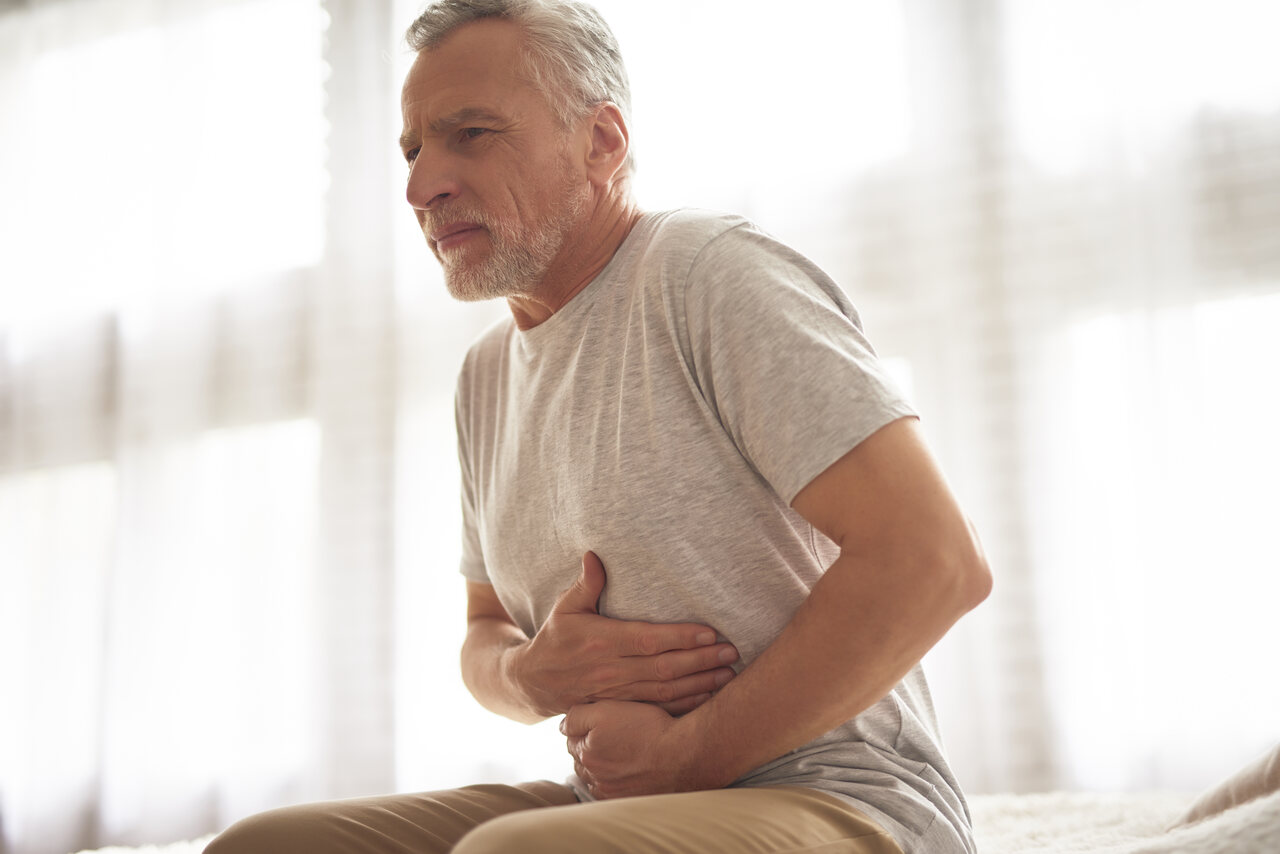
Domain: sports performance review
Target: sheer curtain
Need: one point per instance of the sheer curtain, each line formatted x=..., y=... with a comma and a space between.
x=196, y=414
x=1089, y=274
x=1144, y=257
x=228, y=515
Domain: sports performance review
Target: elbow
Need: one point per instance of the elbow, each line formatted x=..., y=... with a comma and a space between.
x=976, y=584
x=953, y=574
x=971, y=573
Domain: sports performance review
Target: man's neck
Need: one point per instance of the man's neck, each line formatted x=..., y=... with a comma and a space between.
x=584, y=255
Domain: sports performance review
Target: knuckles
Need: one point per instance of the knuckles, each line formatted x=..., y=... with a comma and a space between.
x=665, y=692
x=594, y=646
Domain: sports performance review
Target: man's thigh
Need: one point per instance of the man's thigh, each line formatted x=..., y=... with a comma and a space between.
x=722, y=821
x=423, y=823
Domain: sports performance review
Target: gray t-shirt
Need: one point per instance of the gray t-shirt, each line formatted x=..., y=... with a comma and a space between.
x=664, y=419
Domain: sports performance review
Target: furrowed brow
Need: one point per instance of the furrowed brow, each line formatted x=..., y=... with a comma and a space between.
x=410, y=138
x=462, y=117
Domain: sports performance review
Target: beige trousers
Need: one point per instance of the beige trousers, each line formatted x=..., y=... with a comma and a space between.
x=543, y=817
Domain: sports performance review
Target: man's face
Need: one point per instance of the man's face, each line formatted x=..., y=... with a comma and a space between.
x=492, y=178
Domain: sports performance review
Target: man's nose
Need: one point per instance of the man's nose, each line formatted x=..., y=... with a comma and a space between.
x=431, y=182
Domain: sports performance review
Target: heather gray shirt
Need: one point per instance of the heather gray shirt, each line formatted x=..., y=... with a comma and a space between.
x=665, y=418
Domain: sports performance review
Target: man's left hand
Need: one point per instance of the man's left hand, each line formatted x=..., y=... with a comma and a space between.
x=622, y=749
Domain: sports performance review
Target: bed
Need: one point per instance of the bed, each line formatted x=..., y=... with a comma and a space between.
x=1074, y=823
x=1241, y=815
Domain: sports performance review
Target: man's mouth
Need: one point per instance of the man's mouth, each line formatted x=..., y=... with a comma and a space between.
x=454, y=234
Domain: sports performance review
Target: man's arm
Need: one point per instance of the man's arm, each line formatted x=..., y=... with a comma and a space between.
x=579, y=656
x=909, y=567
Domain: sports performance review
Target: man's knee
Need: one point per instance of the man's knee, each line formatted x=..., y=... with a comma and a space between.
x=548, y=831
x=282, y=831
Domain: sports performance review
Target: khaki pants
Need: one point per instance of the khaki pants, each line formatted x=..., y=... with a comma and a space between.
x=543, y=817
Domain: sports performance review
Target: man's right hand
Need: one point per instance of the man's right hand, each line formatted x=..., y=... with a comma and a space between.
x=579, y=656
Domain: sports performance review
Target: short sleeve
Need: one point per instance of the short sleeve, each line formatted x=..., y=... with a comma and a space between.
x=779, y=355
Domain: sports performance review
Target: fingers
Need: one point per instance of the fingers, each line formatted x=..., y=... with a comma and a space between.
x=672, y=691
x=680, y=663
x=668, y=677
x=676, y=665
x=638, y=638
x=583, y=596
x=579, y=720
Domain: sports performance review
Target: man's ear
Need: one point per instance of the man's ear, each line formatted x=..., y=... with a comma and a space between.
x=610, y=143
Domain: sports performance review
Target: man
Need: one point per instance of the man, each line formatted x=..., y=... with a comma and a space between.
x=699, y=521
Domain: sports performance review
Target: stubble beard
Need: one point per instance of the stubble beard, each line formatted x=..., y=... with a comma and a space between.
x=520, y=254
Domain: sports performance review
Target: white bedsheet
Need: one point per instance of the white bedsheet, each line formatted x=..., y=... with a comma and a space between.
x=1076, y=822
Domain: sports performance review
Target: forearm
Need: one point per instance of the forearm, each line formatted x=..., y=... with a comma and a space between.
x=489, y=659
x=861, y=630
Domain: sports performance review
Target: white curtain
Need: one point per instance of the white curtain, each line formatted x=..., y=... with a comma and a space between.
x=196, y=414
x=228, y=515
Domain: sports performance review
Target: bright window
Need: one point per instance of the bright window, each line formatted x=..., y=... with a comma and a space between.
x=161, y=161
x=1158, y=544
x=1095, y=76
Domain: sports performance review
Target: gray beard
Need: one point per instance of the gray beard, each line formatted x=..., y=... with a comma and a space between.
x=518, y=260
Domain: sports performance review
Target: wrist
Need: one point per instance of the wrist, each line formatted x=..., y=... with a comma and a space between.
x=701, y=751
x=513, y=664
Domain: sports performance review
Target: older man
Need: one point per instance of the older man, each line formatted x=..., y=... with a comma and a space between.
x=700, y=522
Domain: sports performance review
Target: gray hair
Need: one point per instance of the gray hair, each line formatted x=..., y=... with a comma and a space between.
x=570, y=52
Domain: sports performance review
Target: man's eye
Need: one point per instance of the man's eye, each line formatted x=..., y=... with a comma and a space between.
x=472, y=133
x=411, y=155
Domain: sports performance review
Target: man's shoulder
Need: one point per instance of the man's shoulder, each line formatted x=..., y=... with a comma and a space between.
x=726, y=254
x=670, y=248
x=690, y=228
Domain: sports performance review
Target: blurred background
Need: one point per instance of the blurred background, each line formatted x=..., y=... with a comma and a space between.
x=228, y=484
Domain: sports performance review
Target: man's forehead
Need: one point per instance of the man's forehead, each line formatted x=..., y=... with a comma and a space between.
x=478, y=62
